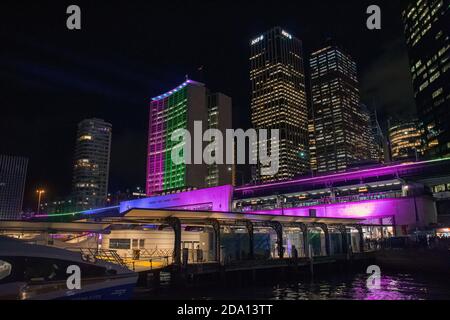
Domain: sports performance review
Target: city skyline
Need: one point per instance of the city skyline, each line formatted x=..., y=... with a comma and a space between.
x=133, y=133
x=210, y=151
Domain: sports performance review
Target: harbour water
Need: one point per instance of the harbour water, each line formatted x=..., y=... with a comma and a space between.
x=345, y=286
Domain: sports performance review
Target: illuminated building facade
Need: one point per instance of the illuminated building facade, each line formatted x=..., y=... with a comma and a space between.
x=220, y=118
x=13, y=172
x=374, y=135
x=278, y=99
x=340, y=126
x=312, y=146
x=179, y=109
x=91, y=163
x=406, y=140
x=428, y=40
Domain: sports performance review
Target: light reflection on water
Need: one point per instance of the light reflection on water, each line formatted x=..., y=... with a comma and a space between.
x=392, y=287
x=395, y=286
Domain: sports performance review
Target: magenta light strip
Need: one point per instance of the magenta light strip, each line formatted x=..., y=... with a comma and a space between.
x=156, y=157
x=359, y=173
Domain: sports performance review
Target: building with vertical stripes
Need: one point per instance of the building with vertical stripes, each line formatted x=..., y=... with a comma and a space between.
x=278, y=99
x=13, y=172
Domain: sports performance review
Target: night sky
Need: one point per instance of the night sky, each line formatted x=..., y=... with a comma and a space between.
x=129, y=51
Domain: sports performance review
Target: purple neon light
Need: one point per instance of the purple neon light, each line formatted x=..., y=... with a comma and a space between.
x=401, y=208
x=348, y=175
x=219, y=198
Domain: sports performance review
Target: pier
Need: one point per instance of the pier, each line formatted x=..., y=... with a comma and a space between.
x=226, y=242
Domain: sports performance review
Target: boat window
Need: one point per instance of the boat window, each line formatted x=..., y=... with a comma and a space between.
x=36, y=269
x=43, y=269
x=5, y=269
x=89, y=271
x=16, y=270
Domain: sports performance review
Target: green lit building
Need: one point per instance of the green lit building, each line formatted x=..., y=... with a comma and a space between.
x=179, y=109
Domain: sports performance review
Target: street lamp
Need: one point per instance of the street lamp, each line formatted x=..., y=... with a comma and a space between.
x=40, y=192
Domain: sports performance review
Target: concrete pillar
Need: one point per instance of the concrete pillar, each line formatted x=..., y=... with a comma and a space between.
x=306, y=242
x=176, y=226
x=304, y=229
x=249, y=226
x=216, y=227
x=343, y=231
x=324, y=227
x=361, y=238
x=279, y=230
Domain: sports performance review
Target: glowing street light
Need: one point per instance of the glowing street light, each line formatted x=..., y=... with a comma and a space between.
x=39, y=192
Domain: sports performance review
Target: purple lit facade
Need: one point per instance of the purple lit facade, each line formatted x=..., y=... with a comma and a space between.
x=400, y=211
x=406, y=211
x=217, y=199
x=177, y=109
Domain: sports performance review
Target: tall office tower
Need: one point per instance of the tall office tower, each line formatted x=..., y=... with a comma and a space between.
x=374, y=136
x=91, y=164
x=278, y=99
x=428, y=40
x=220, y=118
x=13, y=173
x=406, y=140
x=179, y=109
x=340, y=127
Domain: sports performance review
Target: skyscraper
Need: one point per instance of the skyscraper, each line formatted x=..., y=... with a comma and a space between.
x=179, y=109
x=405, y=139
x=428, y=40
x=375, y=136
x=340, y=127
x=13, y=172
x=278, y=99
x=220, y=118
x=91, y=163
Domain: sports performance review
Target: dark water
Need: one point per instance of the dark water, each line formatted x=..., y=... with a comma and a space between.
x=394, y=286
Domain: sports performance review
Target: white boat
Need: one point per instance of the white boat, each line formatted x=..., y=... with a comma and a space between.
x=35, y=272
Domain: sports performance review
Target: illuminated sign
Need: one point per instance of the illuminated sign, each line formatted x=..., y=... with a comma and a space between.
x=287, y=35
x=260, y=38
